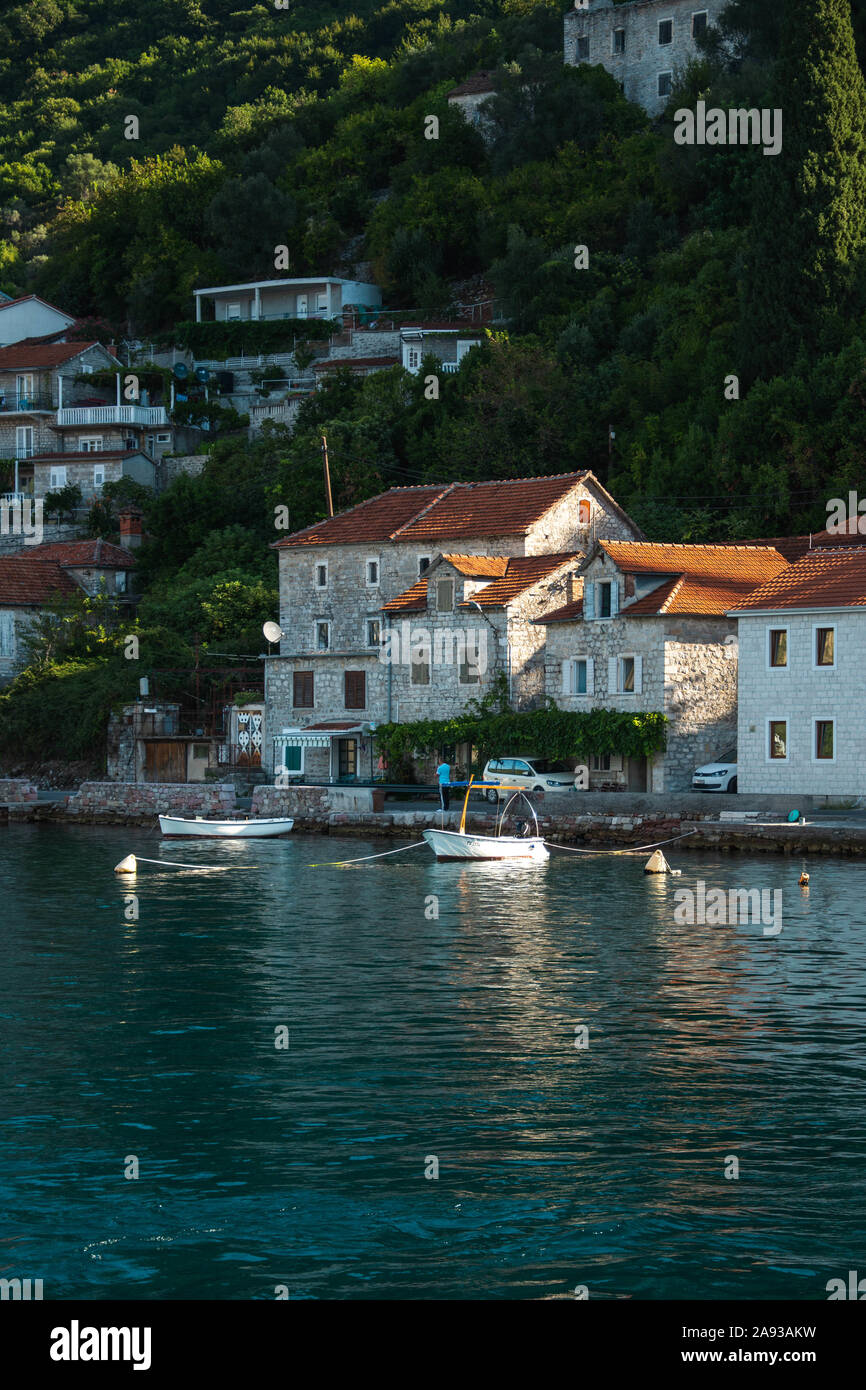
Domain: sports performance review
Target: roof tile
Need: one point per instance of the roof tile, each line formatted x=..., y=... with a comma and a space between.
x=824, y=578
x=26, y=582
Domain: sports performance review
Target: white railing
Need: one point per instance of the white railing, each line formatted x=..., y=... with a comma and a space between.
x=112, y=415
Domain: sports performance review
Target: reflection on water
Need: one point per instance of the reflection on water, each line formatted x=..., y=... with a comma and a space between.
x=431, y=1010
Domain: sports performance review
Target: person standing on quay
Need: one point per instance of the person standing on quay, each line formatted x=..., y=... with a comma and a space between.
x=443, y=772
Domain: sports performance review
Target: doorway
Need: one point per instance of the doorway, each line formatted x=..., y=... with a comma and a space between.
x=165, y=762
x=347, y=759
x=636, y=774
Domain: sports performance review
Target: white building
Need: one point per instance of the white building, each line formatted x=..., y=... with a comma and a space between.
x=802, y=678
x=30, y=317
x=306, y=297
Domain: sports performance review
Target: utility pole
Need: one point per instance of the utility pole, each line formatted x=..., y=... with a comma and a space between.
x=328, y=497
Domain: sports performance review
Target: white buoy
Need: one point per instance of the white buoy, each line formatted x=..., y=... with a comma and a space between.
x=126, y=866
x=657, y=864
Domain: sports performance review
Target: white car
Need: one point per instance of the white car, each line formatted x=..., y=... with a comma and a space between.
x=530, y=774
x=715, y=777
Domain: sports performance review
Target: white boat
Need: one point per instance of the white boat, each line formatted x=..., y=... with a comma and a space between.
x=226, y=829
x=458, y=844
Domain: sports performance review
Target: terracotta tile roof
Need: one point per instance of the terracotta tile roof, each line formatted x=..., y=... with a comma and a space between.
x=690, y=595
x=41, y=354
x=795, y=547
x=739, y=563
x=95, y=553
x=78, y=455
x=22, y=298
x=479, y=566
x=479, y=82
x=26, y=582
x=410, y=601
x=490, y=509
x=824, y=578
x=570, y=612
x=337, y=726
x=443, y=510
x=522, y=572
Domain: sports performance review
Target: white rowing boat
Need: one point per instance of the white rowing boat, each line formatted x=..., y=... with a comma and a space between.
x=458, y=844
x=199, y=827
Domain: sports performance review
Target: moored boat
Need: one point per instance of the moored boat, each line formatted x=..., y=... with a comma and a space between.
x=458, y=844
x=201, y=828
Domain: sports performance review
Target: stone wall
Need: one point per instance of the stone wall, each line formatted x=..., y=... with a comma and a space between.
x=143, y=800
x=17, y=789
x=637, y=69
x=171, y=468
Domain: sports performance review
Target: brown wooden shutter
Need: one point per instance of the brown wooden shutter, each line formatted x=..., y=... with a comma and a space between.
x=356, y=689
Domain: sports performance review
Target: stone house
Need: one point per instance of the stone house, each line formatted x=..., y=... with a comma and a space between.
x=49, y=410
x=644, y=45
x=447, y=342
x=31, y=581
x=469, y=97
x=650, y=633
x=90, y=470
x=331, y=684
x=802, y=678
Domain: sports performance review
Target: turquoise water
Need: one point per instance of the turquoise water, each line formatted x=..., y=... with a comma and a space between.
x=413, y=1037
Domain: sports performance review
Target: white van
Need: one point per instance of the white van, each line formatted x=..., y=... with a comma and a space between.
x=530, y=774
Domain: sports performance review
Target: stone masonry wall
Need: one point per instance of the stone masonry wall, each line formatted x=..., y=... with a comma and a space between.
x=17, y=789
x=143, y=799
x=637, y=69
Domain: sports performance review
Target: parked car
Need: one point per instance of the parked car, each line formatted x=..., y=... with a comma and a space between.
x=530, y=774
x=720, y=776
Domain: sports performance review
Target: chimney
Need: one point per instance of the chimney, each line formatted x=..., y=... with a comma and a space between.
x=129, y=519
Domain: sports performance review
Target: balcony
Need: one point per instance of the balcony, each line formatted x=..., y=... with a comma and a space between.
x=24, y=405
x=146, y=415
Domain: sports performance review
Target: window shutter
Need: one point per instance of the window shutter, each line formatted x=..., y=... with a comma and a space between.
x=638, y=675
x=590, y=676
x=612, y=681
x=566, y=677
x=588, y=599
x=614, y=599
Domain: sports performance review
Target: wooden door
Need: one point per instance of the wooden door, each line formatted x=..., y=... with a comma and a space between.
x=165, y=762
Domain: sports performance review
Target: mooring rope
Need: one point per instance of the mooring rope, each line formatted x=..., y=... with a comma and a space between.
x=636, y=849
x=175, y=864
x=338, y=863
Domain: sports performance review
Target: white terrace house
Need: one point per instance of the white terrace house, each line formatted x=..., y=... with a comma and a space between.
x=650, y=635
x=30, y=317
x=305, y=297
x=47, y=411
x=448, y=342
x=645, y=45
x=802, y=678
x=330, y=686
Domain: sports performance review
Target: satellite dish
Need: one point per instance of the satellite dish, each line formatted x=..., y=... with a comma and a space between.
x=202, y=374
x=273, y=632
x=181, y=370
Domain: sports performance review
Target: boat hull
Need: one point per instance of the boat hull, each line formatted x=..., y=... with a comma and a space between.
x=225, y=829
x=450, y=844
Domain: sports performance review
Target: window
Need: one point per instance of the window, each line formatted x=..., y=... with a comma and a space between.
x=233, y=311
x=302, y=689
x=604, y=598
x=130, y=443
x=355, y=684
x=120, y=582
x=521, y=768
x=323, y=636
x=699, y=24
x=825, y=646
x=322, y=575
x=824, y=741
x=423, y=564
x=163, y=439
x=584, y=513
x=626, y=675
x=58, y=478
x=86, y=368
x=581, y=52
x=778, y=740
x=7, y=634
x=374, y=632
x=778, y=652
x=666, y=31
x=577, y=676
x=619, y=41
x=98, y=474
x=413, y=359
x=419, y=671
x=468, y=673
x=90, y=444
x=599, y=762
x=372, y=571
x=666, y=83
x=445, y=595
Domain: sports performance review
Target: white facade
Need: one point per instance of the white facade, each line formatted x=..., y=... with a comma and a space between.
x=30, y=317
x=787, y=708
x=309, y=297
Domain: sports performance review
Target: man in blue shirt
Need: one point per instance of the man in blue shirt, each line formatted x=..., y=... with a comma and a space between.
x=443, y=772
